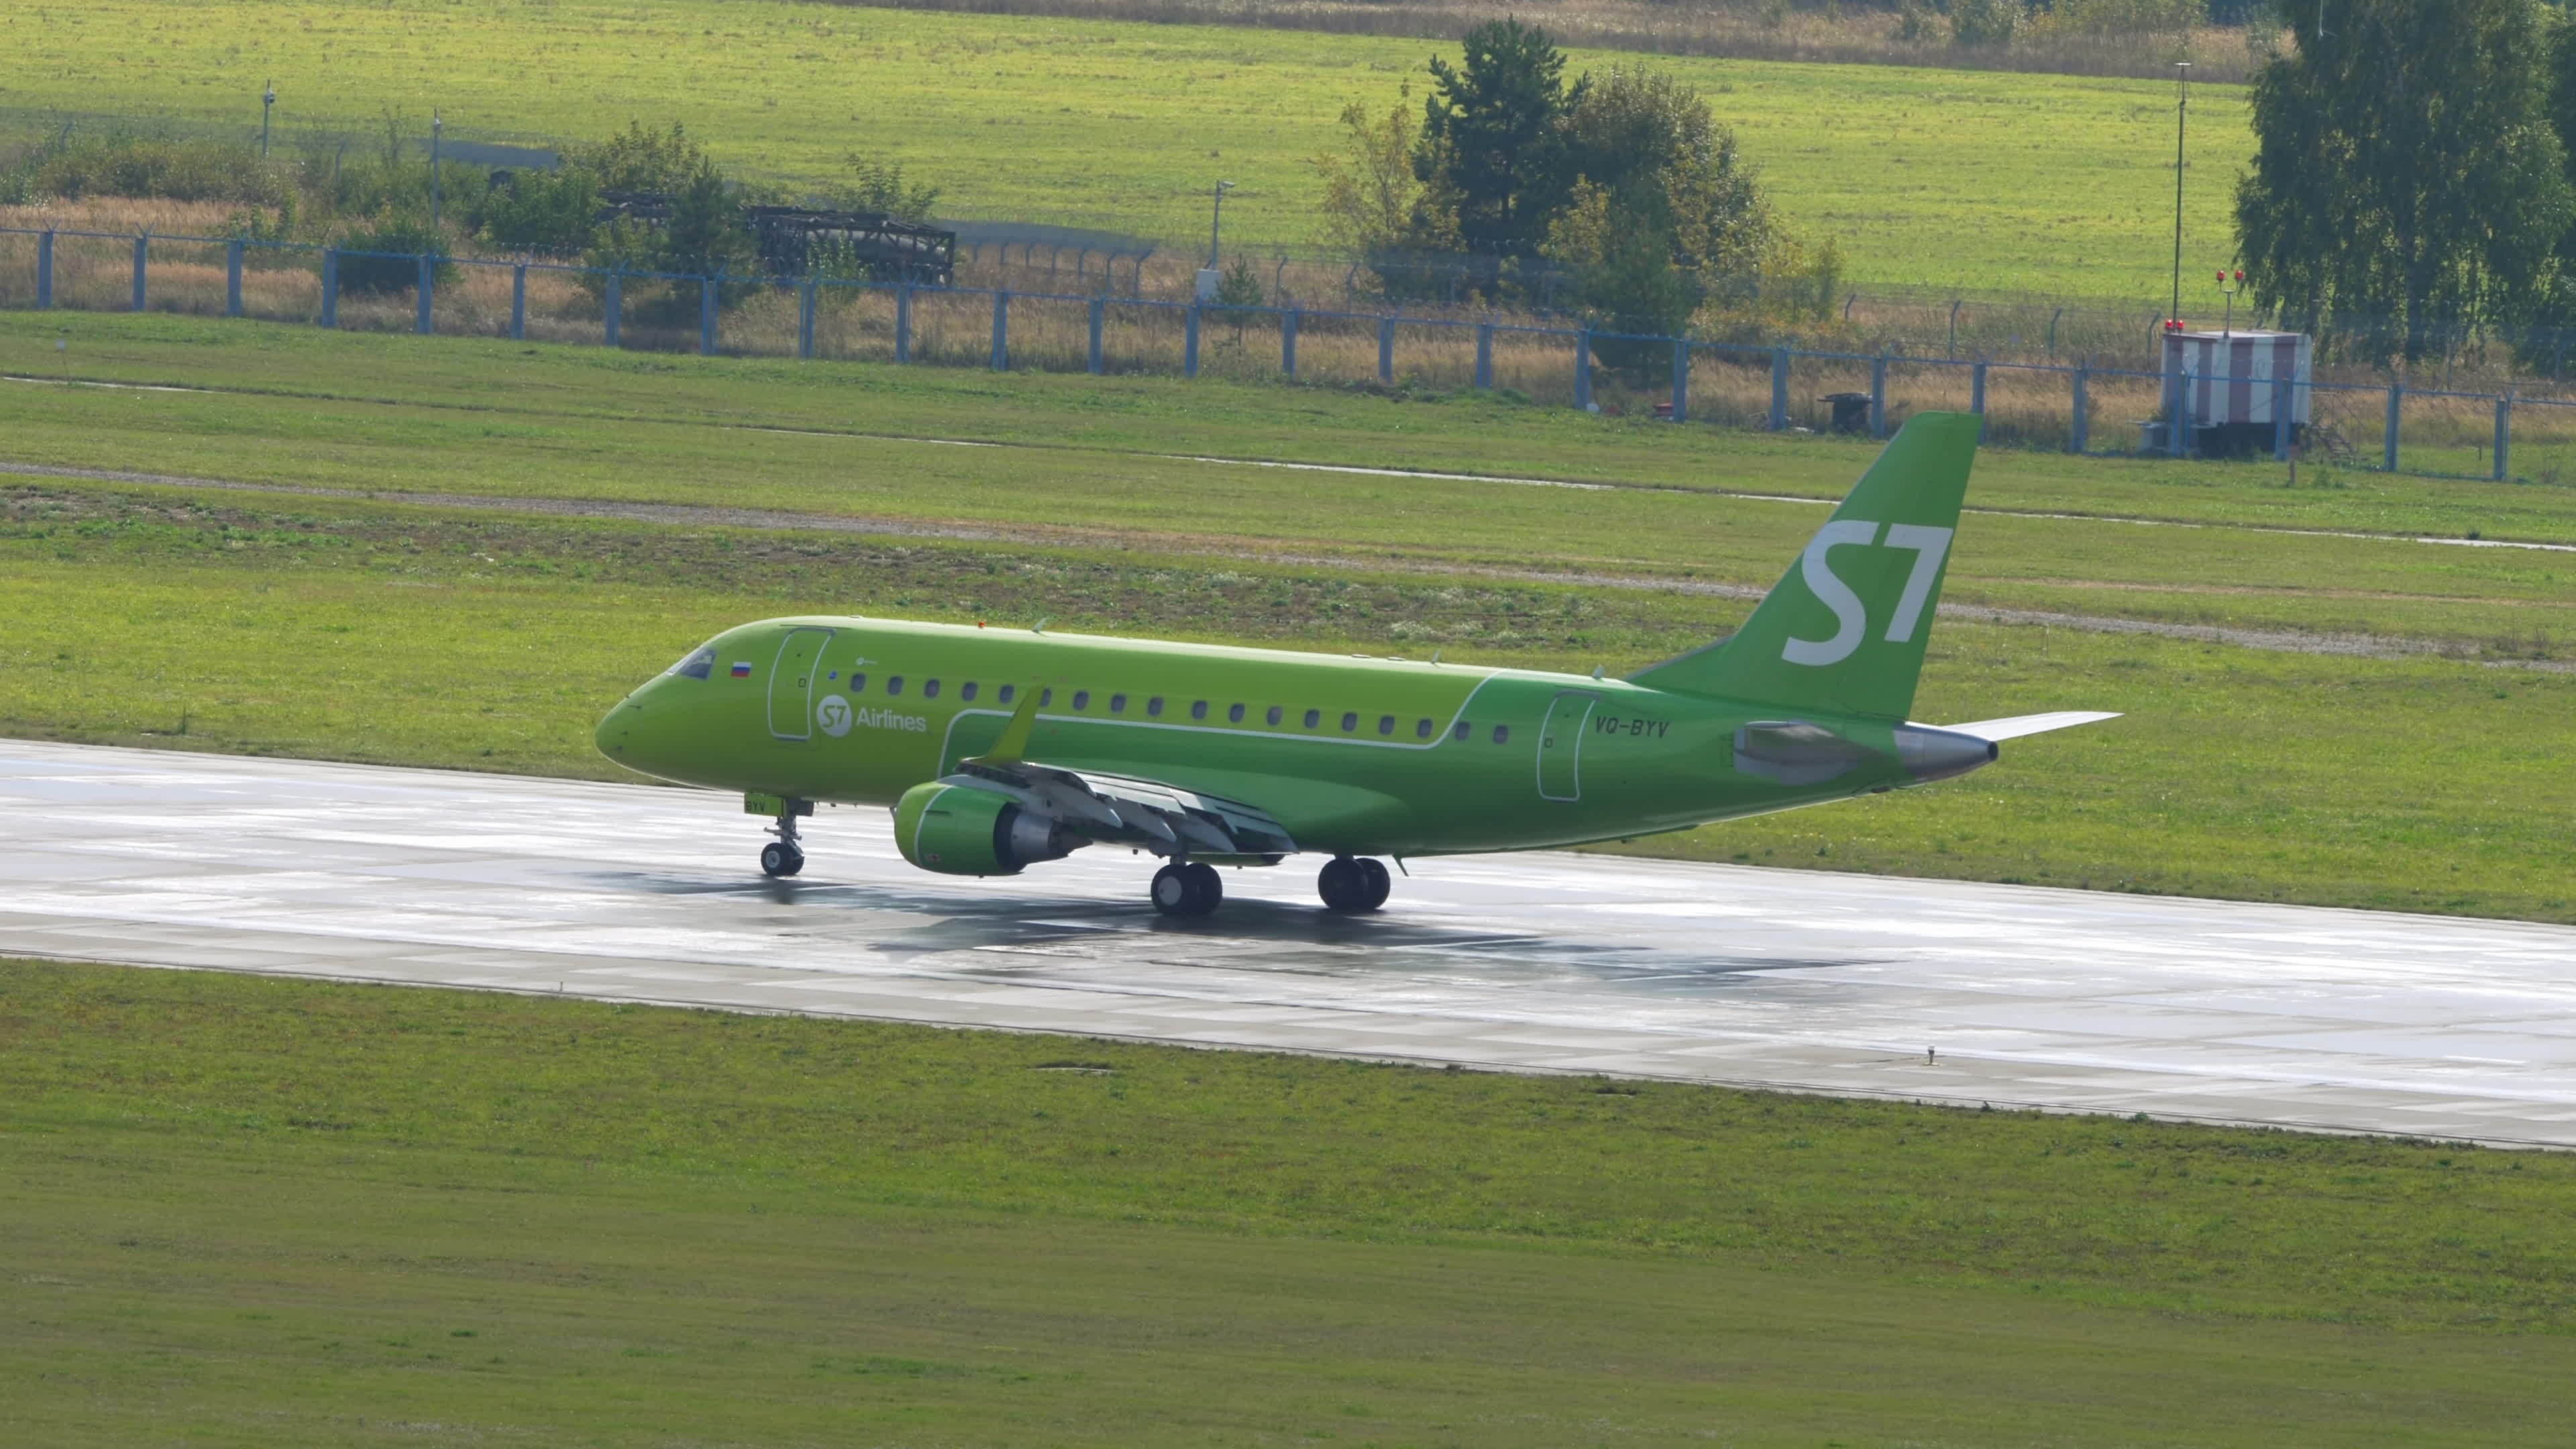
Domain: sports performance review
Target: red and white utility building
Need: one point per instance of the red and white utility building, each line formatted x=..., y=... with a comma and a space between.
x=2227, y=378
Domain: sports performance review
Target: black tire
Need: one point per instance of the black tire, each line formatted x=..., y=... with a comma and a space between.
x=1377, y=883
x=1206, y=887
x=1174, y=894
x=778, y=858
x=1342, y=886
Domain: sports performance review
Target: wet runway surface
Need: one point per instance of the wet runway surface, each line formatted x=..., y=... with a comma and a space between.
x=1928, y=990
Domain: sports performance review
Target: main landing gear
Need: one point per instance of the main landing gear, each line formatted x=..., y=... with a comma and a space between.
x=1353, y=886
x=783, y=856
x=1187, y=889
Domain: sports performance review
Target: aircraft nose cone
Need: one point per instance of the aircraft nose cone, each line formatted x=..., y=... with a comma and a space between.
x=617, y=729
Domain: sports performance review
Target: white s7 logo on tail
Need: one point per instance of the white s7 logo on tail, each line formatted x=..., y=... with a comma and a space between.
x=1851, y=618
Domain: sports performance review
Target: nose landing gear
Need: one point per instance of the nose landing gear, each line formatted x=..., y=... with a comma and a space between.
x=1187, y=889
x=1353, y=886
x=783, y=856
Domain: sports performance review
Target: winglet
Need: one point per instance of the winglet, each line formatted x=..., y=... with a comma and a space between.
x=1014, y=742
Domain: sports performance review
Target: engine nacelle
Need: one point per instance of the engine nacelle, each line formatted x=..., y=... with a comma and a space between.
x=958, y=830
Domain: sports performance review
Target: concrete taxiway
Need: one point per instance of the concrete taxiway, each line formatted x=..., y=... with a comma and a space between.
x=1927, y=990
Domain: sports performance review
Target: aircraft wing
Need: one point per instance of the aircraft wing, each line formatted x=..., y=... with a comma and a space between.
x=1996, y=730
x=1128, y=810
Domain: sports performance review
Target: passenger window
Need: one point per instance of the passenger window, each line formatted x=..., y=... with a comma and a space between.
x=1007, y=691
x=1463, y=730
x=696, y=666
x=1082, y=699
x=1314, y=718
x=1154, y=706
x=894, y=684
x=1234, y=715
x=1276, y=714
x=858, y=684
x=1386, y=724
x=1117, y=704
x=1046, y=697
x=966, y=690
x=930, y=689
x=1198, y=710
x=1422, y=729
x=1502, y=734
x=1350, y=722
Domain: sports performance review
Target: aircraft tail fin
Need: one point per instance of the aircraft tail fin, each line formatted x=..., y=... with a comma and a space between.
x=1844, y=631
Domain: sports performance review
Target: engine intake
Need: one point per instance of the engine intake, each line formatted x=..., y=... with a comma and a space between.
x=957, y=830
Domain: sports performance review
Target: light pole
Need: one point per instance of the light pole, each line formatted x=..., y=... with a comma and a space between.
x=436, y=125
x=2229, y=289
x=2182, y=111
x=1216, y=220
x=267, y=103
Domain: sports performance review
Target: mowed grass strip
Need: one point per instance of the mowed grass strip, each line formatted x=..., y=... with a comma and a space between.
x=252, y=1211
x=542, y=391
x=422, y=636
x=2049, y=183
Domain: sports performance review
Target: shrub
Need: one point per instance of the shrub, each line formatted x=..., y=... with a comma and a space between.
x=378, y=274
x=1985, y=22
x=122, y=164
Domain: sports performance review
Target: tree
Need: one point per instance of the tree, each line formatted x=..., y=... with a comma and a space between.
x=551, y=213
x=2407, y=184
x=1670, y=170
x=641, y=160
x=880, y=186
x=705, y=235
x=1492, y=151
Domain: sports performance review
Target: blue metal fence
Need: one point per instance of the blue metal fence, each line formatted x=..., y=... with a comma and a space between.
x=1761, y=386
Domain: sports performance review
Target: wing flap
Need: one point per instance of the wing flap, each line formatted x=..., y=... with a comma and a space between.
x=1130, y=810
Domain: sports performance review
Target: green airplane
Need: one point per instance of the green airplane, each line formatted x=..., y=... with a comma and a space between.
x=1001, y=749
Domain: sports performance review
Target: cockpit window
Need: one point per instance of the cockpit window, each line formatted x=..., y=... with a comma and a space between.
x=697, y=666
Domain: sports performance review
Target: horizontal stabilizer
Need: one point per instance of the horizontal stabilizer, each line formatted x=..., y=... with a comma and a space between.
x=2029, y=724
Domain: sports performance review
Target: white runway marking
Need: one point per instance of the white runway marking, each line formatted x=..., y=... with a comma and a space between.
x=2067, y=1000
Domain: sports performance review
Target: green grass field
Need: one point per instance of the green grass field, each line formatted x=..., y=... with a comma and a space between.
x=241, y=1211
x=2048, y=184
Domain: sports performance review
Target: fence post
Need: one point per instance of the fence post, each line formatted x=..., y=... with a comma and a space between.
x=519, y=302
x=2281, y=410
x=142, y=250
x=1099, y=320
x=330, y=287
x=2079, y=431
x=1001, y=331
x=805, y=318
x=707, y=315
x=1386, y=351
x=1288, y=343
x=1681, y=380
x=2178, y=425
x=903, y=323
x=1190, y=345
x=1485, y=355
x=613, y=311
x=2396, y=400
x=1779, y=389
x=2503, y=434
x=1878, y=396
x=232, y=277
x=423, y=294
x=1583, y=368
x=1977, y=394
x=45, y=270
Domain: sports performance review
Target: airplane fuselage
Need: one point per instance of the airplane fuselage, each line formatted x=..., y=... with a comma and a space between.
x=1352, y=755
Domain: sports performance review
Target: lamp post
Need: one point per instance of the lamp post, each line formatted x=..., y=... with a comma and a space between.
x=2182, y=111
x=1216, y=220
x=436, y=125
x=267, y=103
x=2228, y=287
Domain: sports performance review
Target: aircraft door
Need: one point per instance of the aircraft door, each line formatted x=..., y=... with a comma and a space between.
x=791, y=683
x=1560, y=746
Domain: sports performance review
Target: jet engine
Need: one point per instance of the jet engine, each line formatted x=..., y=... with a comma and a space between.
x=960, y=831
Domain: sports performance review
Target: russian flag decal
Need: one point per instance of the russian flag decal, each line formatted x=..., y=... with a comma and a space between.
x=742, y=669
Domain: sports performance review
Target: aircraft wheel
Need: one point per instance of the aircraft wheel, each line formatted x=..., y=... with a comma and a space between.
x=1180, y=890
x=1378, y=883
x=1344, y=885
x=778, y=858
x=1206, y=886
